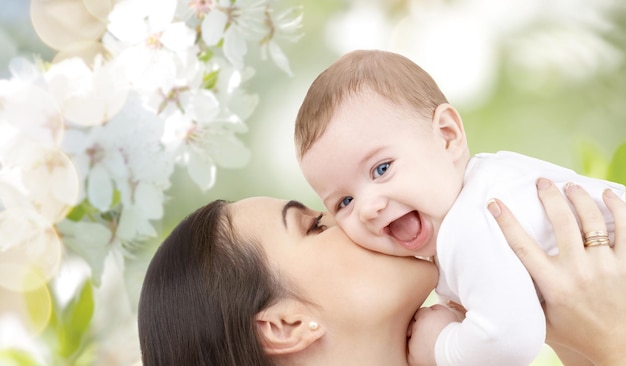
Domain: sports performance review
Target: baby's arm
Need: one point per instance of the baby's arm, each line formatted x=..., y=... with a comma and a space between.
x=429, y=322
x=503, y=311
x=584, y=288
x=504, y=323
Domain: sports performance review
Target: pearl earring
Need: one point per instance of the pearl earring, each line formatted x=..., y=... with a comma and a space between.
x=313, y=325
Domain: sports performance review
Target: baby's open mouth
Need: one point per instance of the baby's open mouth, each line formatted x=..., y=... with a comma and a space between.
x=405, y=228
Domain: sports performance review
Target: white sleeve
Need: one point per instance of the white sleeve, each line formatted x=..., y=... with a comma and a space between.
x=504, y=324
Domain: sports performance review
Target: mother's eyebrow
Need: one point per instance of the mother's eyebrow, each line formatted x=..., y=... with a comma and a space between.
x=291, y=204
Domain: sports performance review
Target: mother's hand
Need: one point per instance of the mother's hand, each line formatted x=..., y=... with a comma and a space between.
x=584, y=287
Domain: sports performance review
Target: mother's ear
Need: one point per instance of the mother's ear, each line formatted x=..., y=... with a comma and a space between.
x=448, y=124
x=287, y=327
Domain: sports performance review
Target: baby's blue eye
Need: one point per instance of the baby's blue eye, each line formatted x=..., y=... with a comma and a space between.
x=345, y=202
x=381, y=169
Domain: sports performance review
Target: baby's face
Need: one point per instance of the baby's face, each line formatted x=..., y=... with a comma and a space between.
x=386, y=175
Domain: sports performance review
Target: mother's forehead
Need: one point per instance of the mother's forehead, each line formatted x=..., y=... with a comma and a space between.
x=260, y=208
x=259, y=201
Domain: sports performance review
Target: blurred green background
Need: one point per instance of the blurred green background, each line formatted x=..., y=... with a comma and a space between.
x=542, y=77
x=552, y=106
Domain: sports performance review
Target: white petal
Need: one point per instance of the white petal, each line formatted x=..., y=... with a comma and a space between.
x=126, y=22
x=52, y=183
x=125, y=190
x=213, y=27
x=27, y=244
x=161, y=14
x=205, y=106
x=201, y=171
x=133, y=224
x=127, y=226
x=289, y=21
x=35, y=113
x=175, y=128
x=279, y=57
x=68, y=78
x=90, y=240
x=229, y=152
x=108, y=91
x=75, y=141
x=115, y=163
x=17, y=227
x=65, y=181
x=23, y=69
x=235, y=46
x=149, y=69
x=13, y=193
x=145, y=228
x=178, y=37
x=99, y=188
x=149, y=200
x=243, y=104
x=190, y=69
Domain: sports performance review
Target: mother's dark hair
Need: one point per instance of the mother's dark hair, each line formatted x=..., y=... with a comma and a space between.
x=201, y=293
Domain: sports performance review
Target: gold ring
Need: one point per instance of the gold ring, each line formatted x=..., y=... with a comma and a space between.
x=596, y=242
x=596, y=238
x=592, y=234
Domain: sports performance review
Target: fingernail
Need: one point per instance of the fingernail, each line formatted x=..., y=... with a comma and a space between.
x=608, y=193
x=570, y=187
x=543, y=183
x=494, y=208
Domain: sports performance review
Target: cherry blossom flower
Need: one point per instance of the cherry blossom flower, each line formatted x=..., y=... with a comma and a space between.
x=26, y=105
x=284, y=25
x=30, y=250
x=88, y=145
x=88, y=97
x=241, y=21
x=147, y=39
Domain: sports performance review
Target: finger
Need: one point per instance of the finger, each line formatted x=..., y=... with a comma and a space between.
x=532, y=256
x=588, y=211
x=566, y=230
x=618, y=210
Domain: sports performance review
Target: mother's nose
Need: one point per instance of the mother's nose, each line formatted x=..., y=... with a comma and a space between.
x=371, y=207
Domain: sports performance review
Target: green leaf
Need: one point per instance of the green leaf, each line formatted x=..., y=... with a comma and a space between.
x=87, y=356
x=67, y=345
x=206, y=56
x=84, y=208
x=616, y=171
x=76, y=320
x=209, y=80
x=49, y=334
x=117, y=198
x=80, y=310
x=16, y=357
x=77, y=213
x=38, y=305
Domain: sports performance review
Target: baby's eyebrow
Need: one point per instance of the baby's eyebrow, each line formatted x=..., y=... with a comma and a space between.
x=291, y=204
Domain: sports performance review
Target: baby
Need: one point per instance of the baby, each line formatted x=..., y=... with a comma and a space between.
x=378, y=142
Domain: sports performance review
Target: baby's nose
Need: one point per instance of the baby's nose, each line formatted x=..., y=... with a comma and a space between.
x=370, y=208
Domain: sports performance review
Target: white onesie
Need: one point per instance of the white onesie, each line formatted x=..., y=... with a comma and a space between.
x=504, y=324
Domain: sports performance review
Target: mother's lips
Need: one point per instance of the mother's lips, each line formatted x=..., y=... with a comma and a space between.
x=405, y=228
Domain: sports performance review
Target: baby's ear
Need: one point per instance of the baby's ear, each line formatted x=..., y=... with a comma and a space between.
x=287, y=327
x=448, y=124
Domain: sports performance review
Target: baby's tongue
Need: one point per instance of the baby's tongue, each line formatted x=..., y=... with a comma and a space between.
x=406, y=227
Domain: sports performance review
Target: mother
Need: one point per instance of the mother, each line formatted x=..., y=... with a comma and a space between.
x=264, y=281
x=268, y=282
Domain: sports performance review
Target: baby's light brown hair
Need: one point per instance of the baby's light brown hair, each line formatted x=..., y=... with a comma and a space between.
x=391, y=75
